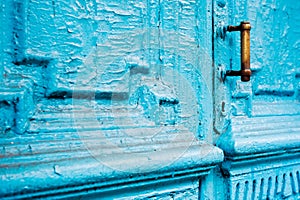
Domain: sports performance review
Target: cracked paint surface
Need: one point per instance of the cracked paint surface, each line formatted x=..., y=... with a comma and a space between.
x=70, y=67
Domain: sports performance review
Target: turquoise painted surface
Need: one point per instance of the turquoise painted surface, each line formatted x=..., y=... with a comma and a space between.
x=105, y=99
x=276, y=66
x=112, y=49
x=70, y=67
x=258, y=122
x=274, y=87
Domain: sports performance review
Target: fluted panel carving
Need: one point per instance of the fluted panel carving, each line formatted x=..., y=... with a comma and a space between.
x=267, y=185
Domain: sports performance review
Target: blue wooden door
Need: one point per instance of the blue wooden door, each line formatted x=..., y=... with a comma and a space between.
x=106, y=98
x=114, y=98
x=258, y=121
x=273, y=89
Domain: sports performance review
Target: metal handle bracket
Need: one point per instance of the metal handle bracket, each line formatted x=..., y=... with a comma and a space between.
x=245, y=71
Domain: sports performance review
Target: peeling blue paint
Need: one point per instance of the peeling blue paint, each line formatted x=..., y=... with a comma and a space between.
x=105, y=96
x=258, y=121
x=126, y=99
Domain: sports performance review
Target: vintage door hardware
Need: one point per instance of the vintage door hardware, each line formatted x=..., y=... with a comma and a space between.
x=245, y=71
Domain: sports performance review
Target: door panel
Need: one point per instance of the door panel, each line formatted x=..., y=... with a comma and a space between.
x=97, y=44
x=273, y=89
x=258, y=121
x=106, y=98
x=275, y=49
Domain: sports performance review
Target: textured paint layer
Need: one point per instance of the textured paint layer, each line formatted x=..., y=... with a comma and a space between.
x=113, y=49
x=119, y=99
x=258, y=121
x=105, y=99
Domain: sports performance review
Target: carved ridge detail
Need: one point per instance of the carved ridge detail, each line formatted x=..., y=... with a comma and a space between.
x=274, y=184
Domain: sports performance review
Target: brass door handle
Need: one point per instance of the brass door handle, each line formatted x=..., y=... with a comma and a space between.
x=245, y=71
